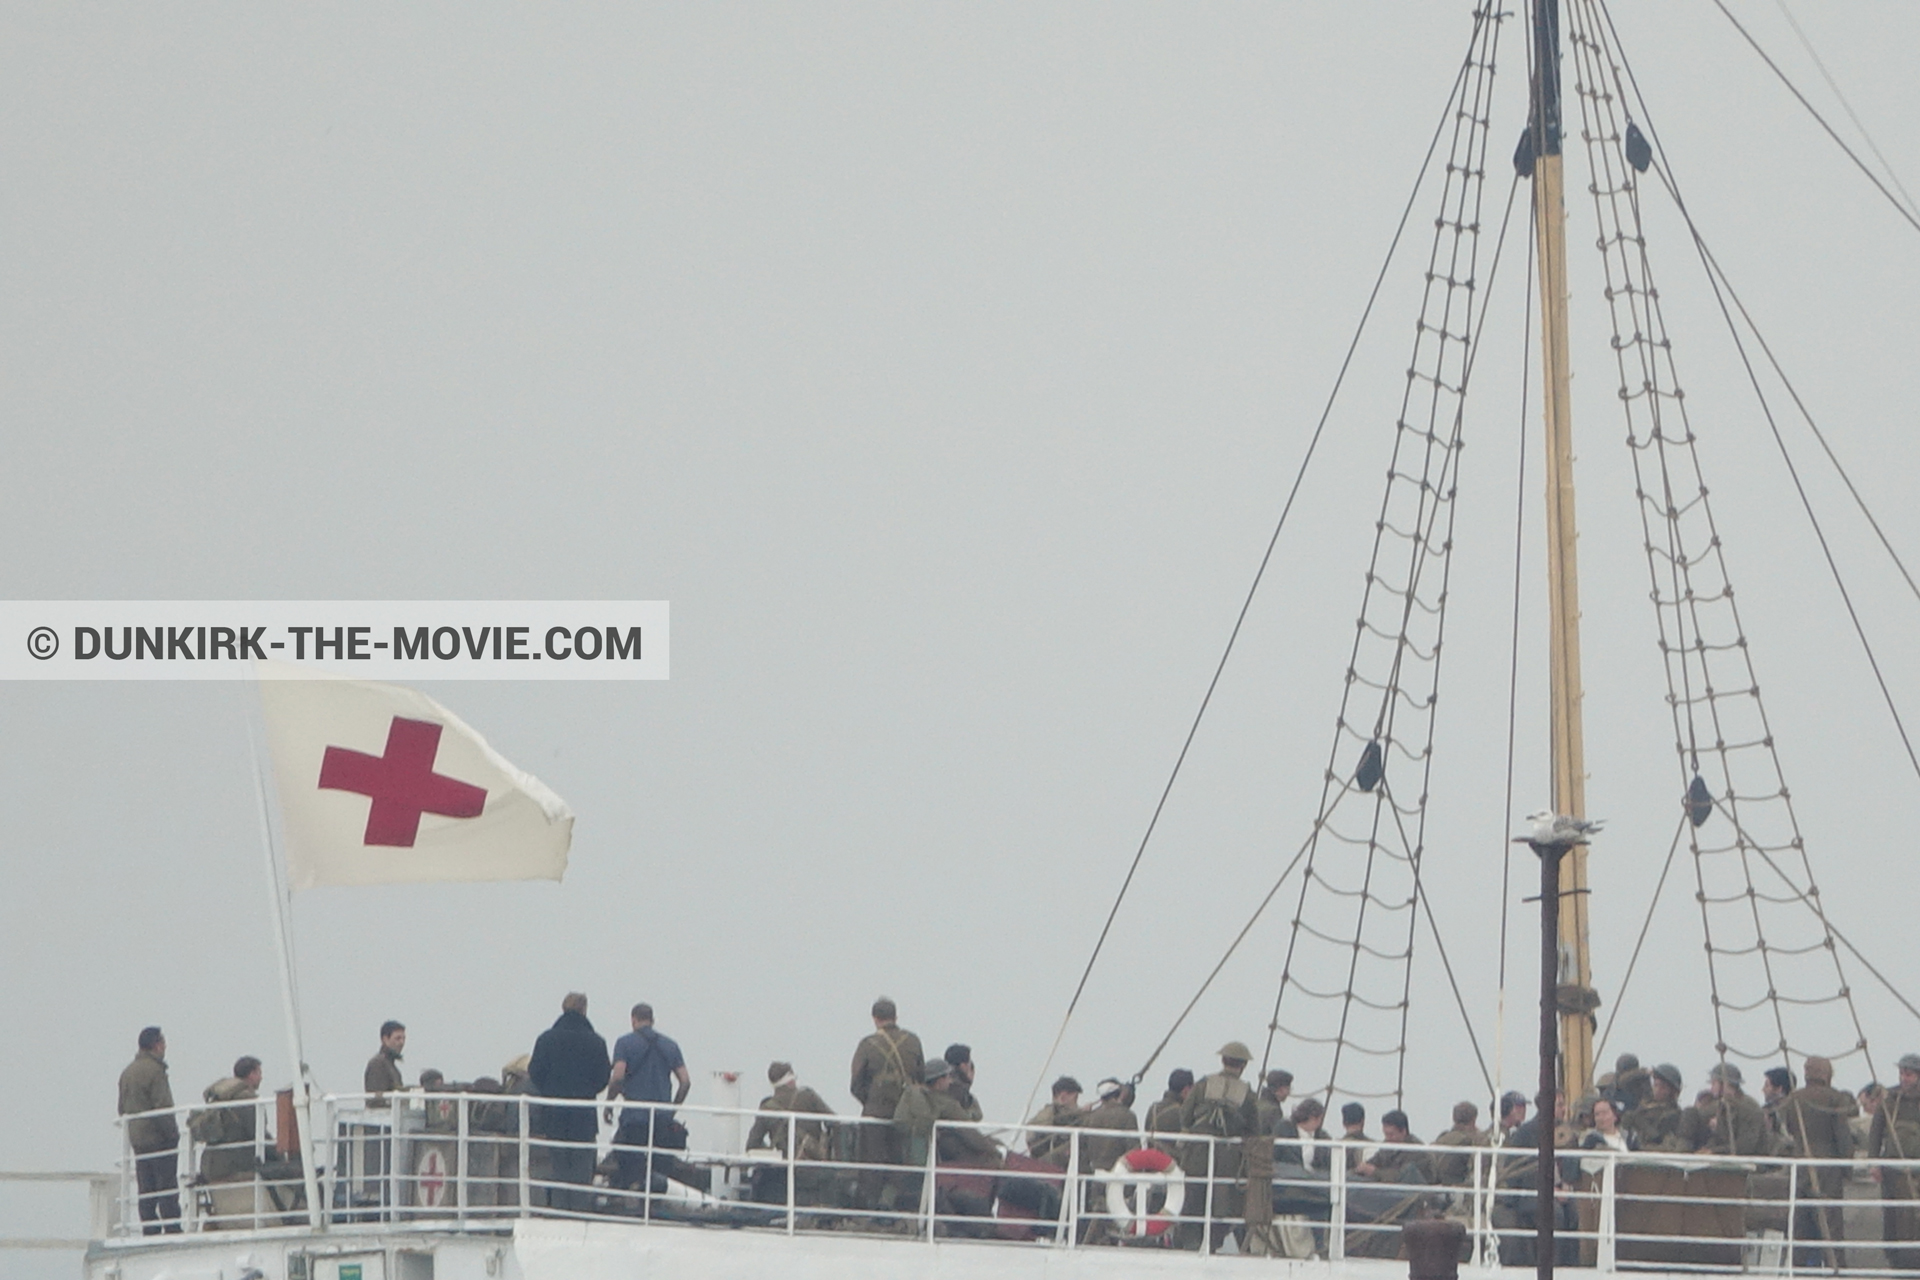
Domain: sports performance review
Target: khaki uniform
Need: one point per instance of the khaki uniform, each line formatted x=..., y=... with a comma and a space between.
x=969, y=1104
x=1895, y=1135
x=233, y=1156
x=1740, y=1127
x=884, y=1065
x=1457, y=1170
x=1221, y=1106
x=962, y=1146
x=1817, y=1121
x=1053, y=1147
x=770, y=1126
x=1665, y=1126
x=1396, y=1163
x=1119, y=1133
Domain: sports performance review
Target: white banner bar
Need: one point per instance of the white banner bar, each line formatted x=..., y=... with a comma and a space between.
x=399, y=640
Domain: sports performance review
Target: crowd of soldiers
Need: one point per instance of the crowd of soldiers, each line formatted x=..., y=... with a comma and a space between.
x=906, y=1096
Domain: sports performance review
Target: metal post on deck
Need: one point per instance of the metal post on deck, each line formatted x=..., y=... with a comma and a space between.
x=1546, y=1114
x=1337, y=1219
x=793, y=1133
x=461, y=1167
x=526, y=1162
x=1073, y=1188
x=1206, y=1233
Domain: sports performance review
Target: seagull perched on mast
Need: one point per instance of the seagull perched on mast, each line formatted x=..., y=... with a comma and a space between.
x=1558, y=831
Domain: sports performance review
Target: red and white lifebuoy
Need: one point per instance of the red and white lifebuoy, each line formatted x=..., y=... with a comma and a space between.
x=1132, y=1185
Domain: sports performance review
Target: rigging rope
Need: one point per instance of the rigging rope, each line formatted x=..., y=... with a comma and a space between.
x=1421, y=476
x=1840, y=142
x=1306, y=461
x=1685, y=613
x=1653, y=904
x=1852, y=115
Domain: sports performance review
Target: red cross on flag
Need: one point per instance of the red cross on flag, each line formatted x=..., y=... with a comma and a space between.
x=380, y=784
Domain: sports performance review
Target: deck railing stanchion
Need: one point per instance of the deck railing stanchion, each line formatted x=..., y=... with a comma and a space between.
x=526, y=1159
x=1337, y=1218
x=1072, y=1187
x=793, y=1173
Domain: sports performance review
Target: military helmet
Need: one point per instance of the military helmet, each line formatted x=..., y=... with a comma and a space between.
x=1627, y=1062
x=1729, y=1073
x=778, y=1071
x=1670, y=1073
x=1909, y=1062
x=938, y=1069
x=1237, y=1050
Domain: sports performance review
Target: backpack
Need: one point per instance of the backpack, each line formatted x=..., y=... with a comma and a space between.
x=1215, y=1103
x=214, y=1127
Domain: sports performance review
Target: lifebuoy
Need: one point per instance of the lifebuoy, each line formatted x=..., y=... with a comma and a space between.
x=1143, y=1171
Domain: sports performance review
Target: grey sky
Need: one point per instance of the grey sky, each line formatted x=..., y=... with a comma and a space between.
x=945, y=367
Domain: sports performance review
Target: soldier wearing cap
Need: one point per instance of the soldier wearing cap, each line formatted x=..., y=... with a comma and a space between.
x=1632, y=1083
x=1895, y=1135
x=1661, y=1123
x=1065, y=1109
x=884, y=1065
x=1221, y=1106
x=1817, y=1120
x=1739, y=1126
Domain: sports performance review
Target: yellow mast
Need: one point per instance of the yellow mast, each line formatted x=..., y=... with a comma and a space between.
x=1563, y=577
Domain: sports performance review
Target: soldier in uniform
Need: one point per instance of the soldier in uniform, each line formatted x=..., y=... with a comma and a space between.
x=1816, y=1118
x=1775, y=1084
x=884, y=1064
x=1116, y=1131
x=957, y=1143
x=1393, y=1161
x=1457, y=1170
x=790, y=1097
x=1739, y=1126
x=1661, y=1123
x=1895, y=1135
x=1065, y=1109
x=1271, y=1105
x=809, y=1139
x=230, y=1130
x=1113, y=1116
x=155, y=1139
x=1632, y=1083
x=1221, y=1106
x=1164, y=1115
x=960, y=1088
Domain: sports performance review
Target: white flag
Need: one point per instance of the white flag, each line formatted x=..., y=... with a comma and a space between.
x=380, y=784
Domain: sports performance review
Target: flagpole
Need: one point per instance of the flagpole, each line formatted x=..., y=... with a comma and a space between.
x=302, y=1095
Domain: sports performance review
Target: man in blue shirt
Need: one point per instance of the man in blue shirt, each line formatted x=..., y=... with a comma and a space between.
x=648, y=1068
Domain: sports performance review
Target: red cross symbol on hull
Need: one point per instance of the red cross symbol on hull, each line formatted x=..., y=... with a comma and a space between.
x=401, y=784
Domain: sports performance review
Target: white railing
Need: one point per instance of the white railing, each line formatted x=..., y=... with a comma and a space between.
x=477, y=1161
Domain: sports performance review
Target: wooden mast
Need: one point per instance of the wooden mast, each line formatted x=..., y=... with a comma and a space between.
x=1563, y=578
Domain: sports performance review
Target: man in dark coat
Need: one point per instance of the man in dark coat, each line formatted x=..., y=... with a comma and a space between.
x=569, y=1061
x=155, y=1139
